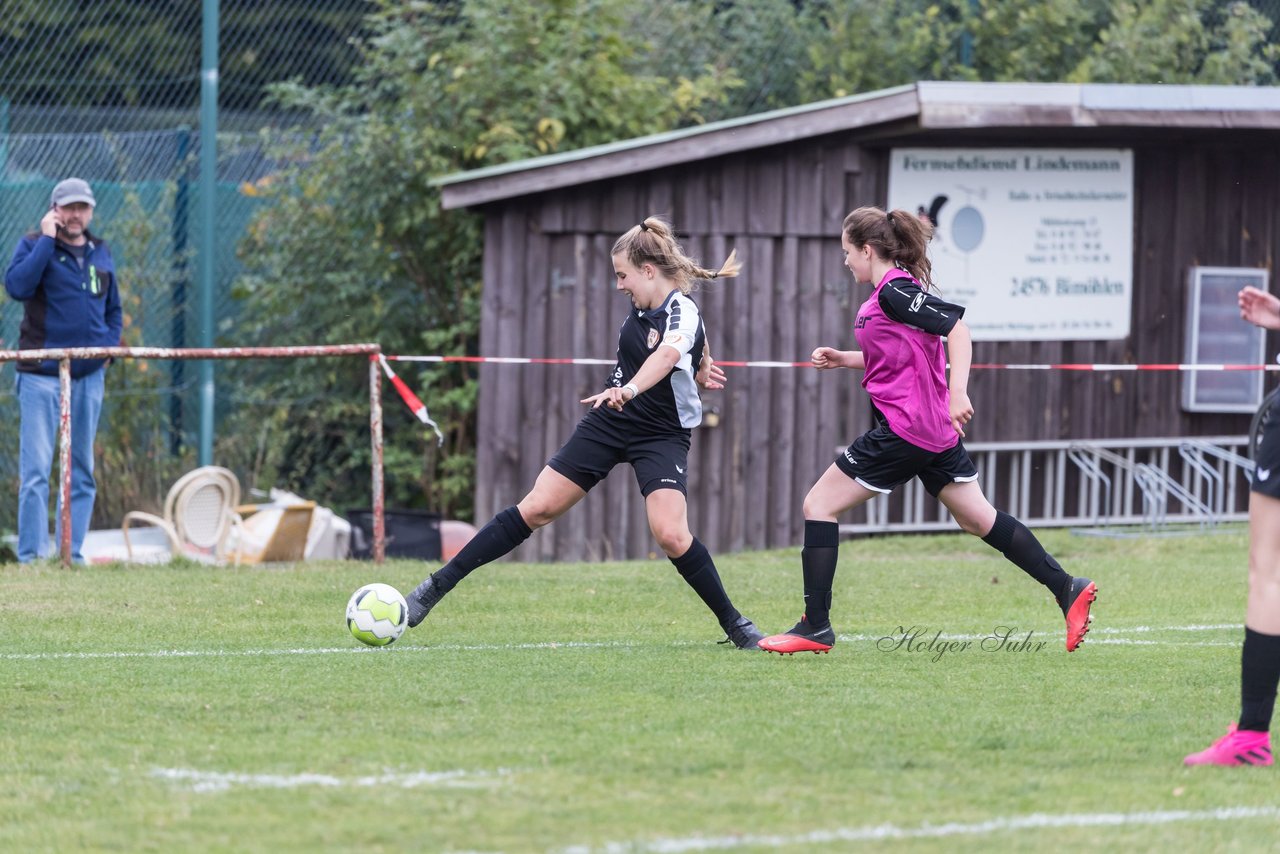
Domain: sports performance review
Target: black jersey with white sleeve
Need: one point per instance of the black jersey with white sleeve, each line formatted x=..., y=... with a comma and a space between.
x=673, y=403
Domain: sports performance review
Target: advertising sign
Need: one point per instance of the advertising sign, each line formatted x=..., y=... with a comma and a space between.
x=1036, y=243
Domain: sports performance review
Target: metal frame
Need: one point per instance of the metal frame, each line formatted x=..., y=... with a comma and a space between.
x=1095, y=486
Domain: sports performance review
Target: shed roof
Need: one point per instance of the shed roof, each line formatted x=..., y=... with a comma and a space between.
x=926, y=105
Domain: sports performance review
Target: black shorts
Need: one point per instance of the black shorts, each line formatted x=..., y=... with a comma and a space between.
x=1266, y=472
x=660, y=461
x=881, y=460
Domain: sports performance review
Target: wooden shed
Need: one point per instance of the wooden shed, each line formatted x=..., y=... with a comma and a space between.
x=1181, y=177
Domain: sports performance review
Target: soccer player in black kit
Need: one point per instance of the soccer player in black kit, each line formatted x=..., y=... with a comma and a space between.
x=644, y=417
x=1248, y=740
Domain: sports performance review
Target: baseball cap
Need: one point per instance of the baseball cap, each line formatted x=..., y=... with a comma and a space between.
x=72, y=190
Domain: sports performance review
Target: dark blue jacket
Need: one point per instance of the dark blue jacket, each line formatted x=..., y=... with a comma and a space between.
x=64, y=306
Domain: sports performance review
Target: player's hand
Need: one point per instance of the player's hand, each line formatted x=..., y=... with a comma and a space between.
x=961, y=411
x=50, y=223
x=710, y=375
x=1259, y=307
x=825, y=358
x=614, y=398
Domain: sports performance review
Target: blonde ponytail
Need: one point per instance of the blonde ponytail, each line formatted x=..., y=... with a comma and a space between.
x=653, y=242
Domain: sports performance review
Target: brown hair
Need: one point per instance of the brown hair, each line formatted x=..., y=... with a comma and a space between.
x=654, y=242
x=897, y=236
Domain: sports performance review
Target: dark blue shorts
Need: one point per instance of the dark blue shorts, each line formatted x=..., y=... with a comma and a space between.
x=660, y=461
x=881, y=460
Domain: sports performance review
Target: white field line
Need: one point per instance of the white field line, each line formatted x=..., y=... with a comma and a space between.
x=331, y=650
x=1191, y=628
x=881, y=832
x=1132, y=642
x=217, y=781
x=553, y=645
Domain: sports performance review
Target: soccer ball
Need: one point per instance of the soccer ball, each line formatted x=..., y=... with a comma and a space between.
x=377, y=614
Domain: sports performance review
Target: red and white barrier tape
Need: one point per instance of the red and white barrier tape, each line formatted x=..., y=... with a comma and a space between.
x=420, y=409
x=1066, y=366
x=417, y=406
x=1121, y=367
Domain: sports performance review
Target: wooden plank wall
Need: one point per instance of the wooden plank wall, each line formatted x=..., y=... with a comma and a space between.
x=549, y=291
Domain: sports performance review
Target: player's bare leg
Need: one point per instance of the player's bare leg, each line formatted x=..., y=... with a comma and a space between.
x=552, y=495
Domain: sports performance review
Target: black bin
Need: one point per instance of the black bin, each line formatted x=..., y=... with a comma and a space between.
x=410, y=533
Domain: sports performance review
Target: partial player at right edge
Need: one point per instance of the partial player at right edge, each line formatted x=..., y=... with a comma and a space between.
x=1248, y=741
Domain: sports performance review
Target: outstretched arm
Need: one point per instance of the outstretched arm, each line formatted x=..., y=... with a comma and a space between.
x=654, y=369
x=825, y=358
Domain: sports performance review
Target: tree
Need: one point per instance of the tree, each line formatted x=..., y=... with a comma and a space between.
x=145, y=54
x=866, y=45
x=1038, y=42
x=1182, y=41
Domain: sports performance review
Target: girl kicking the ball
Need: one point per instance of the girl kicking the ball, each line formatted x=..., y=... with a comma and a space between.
x=920, y=423
x=644, y=417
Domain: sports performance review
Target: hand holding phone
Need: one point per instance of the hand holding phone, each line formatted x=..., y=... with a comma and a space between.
x=51, y=224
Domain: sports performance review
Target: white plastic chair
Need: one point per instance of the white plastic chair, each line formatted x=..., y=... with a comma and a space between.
x=199, y=516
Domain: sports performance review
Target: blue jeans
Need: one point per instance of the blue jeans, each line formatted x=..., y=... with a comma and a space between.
x=38, y=408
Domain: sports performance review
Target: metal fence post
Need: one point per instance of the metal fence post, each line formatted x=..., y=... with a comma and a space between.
x=64, y=459
x=208, y=210
x=375, y=431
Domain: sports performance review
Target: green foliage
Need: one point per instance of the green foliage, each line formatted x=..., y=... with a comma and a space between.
x=1036, y=41
x=865, y=45
x=352, y=244
x=139, y=53
x=1178, y=41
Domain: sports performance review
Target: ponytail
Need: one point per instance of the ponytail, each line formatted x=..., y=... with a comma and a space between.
x=898, y=236
x=653, y=242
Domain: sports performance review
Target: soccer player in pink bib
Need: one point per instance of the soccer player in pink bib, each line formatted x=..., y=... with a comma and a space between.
x=920, y=419
x=1248, y=741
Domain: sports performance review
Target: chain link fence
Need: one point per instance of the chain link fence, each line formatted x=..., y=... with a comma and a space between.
x=109, y=91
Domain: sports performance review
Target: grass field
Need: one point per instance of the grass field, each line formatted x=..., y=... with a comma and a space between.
x=588, y=708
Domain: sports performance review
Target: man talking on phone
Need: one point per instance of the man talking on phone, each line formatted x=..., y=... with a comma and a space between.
x=64, y=277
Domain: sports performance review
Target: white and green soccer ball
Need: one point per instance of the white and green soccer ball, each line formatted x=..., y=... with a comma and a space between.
x=377, y=614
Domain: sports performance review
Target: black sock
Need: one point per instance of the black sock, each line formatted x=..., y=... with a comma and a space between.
x=503, y=533
x=1259, y=675
x=699, y=571
x=818, y=560
x=1016, y=542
